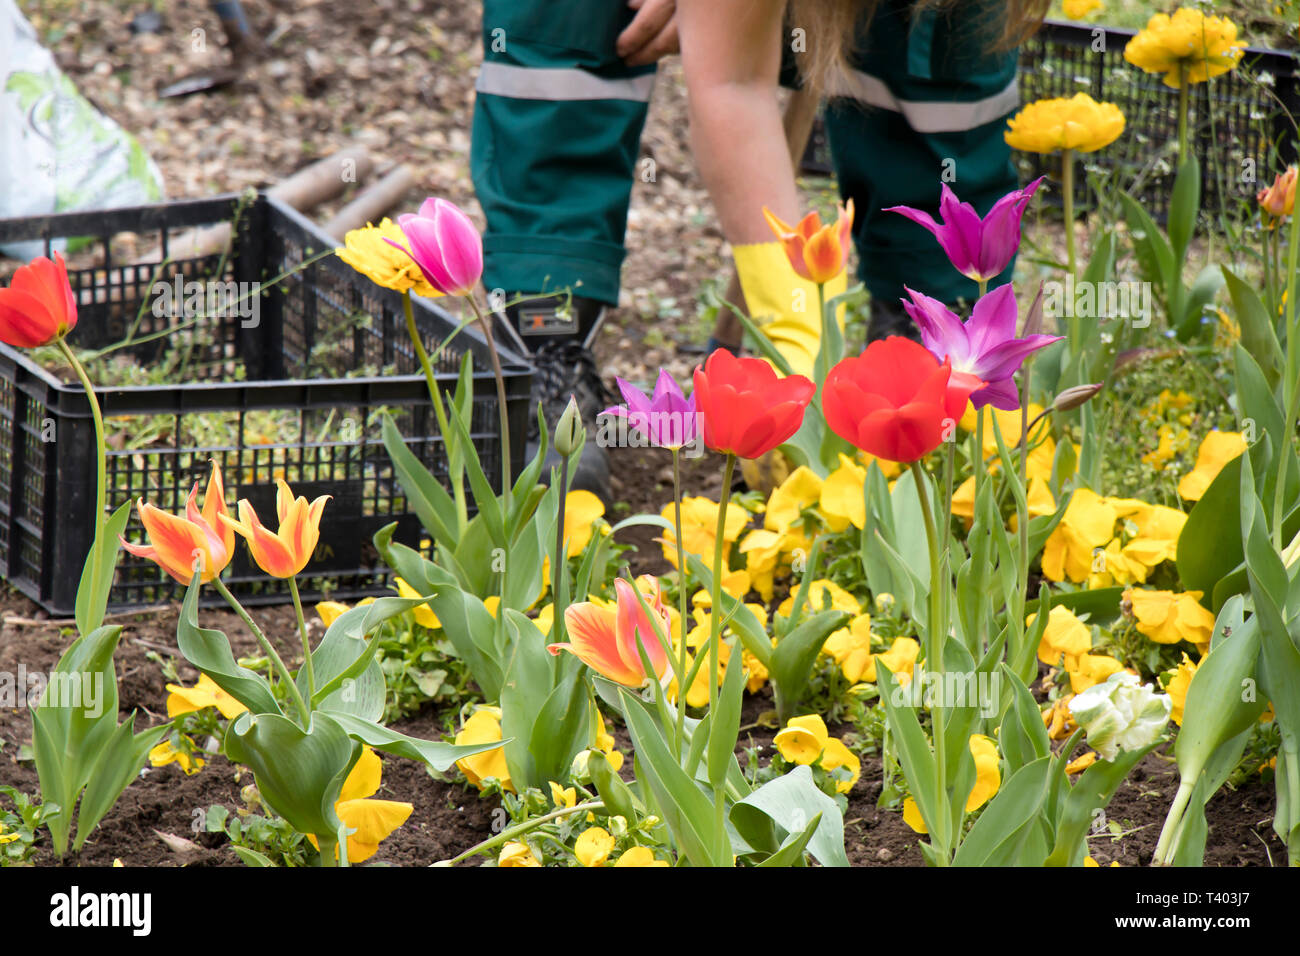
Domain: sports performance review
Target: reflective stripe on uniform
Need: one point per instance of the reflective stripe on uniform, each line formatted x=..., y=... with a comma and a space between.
x=929, y=117
x=529, y=83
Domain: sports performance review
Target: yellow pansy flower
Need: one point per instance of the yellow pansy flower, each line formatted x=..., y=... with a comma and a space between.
x=372, y=821
x=818, y=590
x=1092, y=669
x=1188, y=46
x=582, y=510
x=803, y=739
x=699, y=529
x=1167, y=617
x=606, y=744
x=515, y=853
x=366, y=251
x=1216, y=450
x=1064, y=639
x=1158, y=528
x=1058, y=719
x=1089, y=861
x=1079, y=123
x=1078, y=9
x=1081, y=763
x=988, y=778
x=330, y=611
x=1177, y=688
x=762, y=551
x=639, y=856
x=842, y=500
x=1088, y=523
x=563, y=796
x=593, y=846
x=851, y=648
x=205, y=693
x=424, y=615
x=483, y=727
x=900, y=659
x=165, y=753
x=802, y=488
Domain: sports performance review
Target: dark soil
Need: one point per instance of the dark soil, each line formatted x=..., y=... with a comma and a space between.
x=450, y=817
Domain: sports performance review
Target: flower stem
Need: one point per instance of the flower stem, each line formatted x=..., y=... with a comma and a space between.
x=681, y=599
x=101, y=464
x=303, y=710
x=1067, y=206
x=302, y=632
x=1290, y=386
x=1182, y=111
x=715, y=622
x=557, y=562
x=936, y=634
x=1173, y=821
x=458, y=486
x=486, y=326
x=518, y=829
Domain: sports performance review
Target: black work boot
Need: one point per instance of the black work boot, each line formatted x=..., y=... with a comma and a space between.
x=556, y=332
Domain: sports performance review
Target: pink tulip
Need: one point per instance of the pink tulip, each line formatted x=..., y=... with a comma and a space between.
x=977, y=248
x=445, y=245
x=606, y=640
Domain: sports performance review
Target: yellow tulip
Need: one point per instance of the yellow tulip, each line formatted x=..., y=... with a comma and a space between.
x=1187, y=48
x=1079, y=123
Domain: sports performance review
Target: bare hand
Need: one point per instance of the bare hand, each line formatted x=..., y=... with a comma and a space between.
x=652, y=34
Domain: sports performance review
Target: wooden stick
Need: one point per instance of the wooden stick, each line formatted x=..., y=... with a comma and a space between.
x=370, y=204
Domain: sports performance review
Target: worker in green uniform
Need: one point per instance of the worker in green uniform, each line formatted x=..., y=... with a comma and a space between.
x=918, y=95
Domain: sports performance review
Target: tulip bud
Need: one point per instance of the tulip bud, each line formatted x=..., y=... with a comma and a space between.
x=579, y=769
x=569, y=431
x=1074, y=397
x=1121, y=714
x=1034, y=317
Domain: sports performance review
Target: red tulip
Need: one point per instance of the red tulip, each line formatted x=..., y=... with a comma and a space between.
x=895, y=400
x=746, y=409
x=38, y=307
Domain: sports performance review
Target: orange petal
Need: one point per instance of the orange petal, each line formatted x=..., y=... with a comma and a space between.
x=593, y=639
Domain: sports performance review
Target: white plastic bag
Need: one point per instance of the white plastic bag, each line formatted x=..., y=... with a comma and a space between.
x=57, y=152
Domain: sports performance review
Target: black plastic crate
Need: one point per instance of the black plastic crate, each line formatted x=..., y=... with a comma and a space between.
x=296, y=395
x=1237, y=125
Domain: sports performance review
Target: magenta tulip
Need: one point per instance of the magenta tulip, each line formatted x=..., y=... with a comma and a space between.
x=984, y=346
x=445, y=245
x=978, y=248
x=666, y=419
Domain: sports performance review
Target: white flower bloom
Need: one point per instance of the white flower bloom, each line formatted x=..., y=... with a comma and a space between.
x=1121, y=714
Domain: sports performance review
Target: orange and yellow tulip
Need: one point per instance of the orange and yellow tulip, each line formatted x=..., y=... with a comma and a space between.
x=1278, y=200
x=178, y=544
x=816, y=252
x=286, y=552
x=606, y=639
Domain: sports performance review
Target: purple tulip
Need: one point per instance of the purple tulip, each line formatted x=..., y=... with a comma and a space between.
x=445, y=245
x=985, y=346
x=667, y=419
x=978, y=248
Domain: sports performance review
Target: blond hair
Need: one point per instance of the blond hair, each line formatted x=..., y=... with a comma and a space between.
x=832, y=28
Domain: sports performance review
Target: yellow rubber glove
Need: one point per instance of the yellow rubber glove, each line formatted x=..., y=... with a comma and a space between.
x=783, y=304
